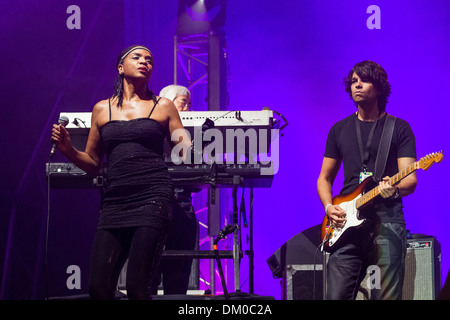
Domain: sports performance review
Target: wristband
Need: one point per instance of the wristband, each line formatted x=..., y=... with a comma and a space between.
x=326, y=208
x=396, y=194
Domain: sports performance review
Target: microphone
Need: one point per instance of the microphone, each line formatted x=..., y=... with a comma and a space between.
x=64, y=121
x=224, y=232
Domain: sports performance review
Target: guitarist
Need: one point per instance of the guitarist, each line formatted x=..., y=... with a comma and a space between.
x=354, y=142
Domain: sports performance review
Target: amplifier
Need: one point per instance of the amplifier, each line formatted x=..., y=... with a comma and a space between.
x=422, y=271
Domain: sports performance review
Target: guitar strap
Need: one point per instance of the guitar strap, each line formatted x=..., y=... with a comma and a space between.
x=383, y=148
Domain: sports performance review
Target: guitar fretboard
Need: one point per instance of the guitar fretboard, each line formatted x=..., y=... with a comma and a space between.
x=395, y=179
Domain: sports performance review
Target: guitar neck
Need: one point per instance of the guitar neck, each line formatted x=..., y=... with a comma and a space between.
x=395, y=179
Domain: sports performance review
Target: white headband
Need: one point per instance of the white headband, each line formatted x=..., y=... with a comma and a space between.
x=132, y=49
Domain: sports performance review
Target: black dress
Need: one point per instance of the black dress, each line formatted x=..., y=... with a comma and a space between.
x=138, y=188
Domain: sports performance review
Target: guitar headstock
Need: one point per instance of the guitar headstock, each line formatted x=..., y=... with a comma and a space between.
x=428, y=160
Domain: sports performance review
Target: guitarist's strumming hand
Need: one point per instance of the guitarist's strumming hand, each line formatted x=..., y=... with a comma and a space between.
x=336, y=215
x=386, y=190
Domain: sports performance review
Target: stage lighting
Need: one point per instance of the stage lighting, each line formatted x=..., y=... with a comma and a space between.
x=200, y=16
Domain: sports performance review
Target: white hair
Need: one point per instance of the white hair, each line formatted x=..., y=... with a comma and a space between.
x=173, y=91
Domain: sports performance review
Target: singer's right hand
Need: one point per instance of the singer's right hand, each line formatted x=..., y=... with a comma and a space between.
x=61, y=137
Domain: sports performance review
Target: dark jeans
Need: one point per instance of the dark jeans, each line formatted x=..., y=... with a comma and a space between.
x=383, y=248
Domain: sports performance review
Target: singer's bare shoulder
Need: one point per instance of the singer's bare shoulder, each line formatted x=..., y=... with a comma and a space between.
x=100, y=113
x=168, y=108
x=166, y=104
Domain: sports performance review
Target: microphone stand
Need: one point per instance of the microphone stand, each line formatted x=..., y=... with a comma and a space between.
x=222, y=234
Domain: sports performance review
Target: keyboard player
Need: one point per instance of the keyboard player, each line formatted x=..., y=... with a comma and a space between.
x=183, y=232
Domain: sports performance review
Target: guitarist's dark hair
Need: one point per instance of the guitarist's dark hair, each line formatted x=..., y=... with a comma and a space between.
x=372, y=72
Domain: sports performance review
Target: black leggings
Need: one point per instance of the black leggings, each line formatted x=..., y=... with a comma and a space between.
x=141, y=245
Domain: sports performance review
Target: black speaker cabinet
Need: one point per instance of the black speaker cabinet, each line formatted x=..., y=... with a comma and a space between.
x=298, y=263
x=301, y=249
x=303, y=282
x=422, y=271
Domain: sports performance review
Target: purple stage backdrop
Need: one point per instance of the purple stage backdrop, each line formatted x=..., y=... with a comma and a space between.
x=290, y=56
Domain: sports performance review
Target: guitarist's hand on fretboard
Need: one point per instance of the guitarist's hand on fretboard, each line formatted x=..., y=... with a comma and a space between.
x=386, y=190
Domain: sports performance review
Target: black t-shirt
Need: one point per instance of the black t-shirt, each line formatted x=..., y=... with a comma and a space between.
x=342, y=145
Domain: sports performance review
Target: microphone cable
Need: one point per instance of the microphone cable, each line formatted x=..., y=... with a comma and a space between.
x=47, y=233
x=63, y=121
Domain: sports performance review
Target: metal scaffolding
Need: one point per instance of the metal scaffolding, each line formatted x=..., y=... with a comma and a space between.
x=200, y=63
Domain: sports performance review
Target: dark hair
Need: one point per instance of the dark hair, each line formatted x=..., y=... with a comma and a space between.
x=372, y=72
x=118, y=82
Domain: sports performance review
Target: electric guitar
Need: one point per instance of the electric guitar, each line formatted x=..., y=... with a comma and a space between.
x=358, y=199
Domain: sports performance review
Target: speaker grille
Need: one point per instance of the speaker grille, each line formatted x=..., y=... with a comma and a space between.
x=422, y=270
